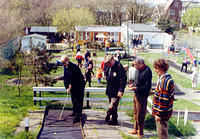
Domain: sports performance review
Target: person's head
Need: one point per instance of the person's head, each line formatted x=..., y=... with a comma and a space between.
x=138, y=63
x=109, y=59
x=160, y=66
x=65, y=60
x=90, y=66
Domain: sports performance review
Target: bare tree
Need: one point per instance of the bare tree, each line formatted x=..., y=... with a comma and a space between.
x=139, y=11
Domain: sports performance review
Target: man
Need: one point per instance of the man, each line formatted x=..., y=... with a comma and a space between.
x=107, y=45
x=116, y=82
x=74, y=84
x=141, y=87
x=163, y=98
x=87, y=57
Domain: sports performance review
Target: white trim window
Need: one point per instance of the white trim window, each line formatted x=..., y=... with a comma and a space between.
x=171, y=12
x=176, y=4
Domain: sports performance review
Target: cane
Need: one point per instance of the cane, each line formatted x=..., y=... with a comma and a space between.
x=63, y=107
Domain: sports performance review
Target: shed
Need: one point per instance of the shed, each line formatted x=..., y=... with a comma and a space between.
x=33, y=41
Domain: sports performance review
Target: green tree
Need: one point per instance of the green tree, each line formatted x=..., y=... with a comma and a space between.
x=167, y=25
x=191, y=17
x=39, y=64
x=66, y=20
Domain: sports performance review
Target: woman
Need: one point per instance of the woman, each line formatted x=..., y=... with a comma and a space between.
x=194, y=79
x=163, y=98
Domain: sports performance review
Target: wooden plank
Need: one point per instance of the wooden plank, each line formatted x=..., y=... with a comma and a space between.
x=68, y=99
x=62, y=89
x=51, y=98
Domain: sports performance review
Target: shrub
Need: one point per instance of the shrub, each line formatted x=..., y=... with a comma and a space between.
x=178, y=131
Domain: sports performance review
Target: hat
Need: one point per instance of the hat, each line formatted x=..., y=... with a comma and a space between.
x=108, y=58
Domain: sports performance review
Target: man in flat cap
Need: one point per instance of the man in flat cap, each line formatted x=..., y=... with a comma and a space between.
x=116, y=82
x=75, y=84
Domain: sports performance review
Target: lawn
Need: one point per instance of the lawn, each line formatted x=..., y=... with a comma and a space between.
x=13, y=108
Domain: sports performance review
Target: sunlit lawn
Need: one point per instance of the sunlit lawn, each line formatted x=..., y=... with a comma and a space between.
x=14, y=108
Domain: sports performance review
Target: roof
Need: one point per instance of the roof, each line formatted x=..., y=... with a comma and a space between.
x=99, y=28
x=144, y=28
x=43, y=29
x=35, y=36
x=168, y=5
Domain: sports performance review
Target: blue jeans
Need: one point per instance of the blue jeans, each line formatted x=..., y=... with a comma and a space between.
x=99, y=80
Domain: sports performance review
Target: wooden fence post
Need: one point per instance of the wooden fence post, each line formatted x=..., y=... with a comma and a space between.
x=35, y=102
x=88, y=96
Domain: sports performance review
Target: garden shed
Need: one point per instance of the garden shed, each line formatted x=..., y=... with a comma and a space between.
x=33, y=41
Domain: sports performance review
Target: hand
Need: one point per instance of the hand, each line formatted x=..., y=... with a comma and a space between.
x=120, y=94
x=70, y=86
x=157, y=118
x=133, y=88
x=68, y=91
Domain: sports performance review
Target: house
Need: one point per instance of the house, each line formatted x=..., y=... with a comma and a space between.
x=173, y=10
x=146, y=32
x=50, y=32
x=89, y=33
x=33, y=41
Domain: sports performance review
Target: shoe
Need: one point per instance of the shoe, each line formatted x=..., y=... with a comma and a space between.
x=132, y=132
x=76, y=120
x=107, y=119
x=113, y=122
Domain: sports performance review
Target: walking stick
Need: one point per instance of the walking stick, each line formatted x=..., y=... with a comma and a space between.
x=63, y=107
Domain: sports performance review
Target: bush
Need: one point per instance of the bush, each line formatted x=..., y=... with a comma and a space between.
x=178, y=131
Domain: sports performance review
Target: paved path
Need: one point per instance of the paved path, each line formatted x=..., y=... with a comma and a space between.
x=95, y=126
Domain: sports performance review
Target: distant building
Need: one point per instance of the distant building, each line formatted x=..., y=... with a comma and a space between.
x=50, y=32
x=33, y=41
x=173, y=10
x=89, y=33
x=146, y=32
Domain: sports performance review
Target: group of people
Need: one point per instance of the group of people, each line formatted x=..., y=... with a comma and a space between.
x=140, y=84
x=88, y=67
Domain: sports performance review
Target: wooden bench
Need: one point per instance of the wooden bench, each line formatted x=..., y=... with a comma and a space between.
x=39, y=90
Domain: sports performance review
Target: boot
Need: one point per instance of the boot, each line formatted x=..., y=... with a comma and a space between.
x=113, y=122
x=107, y=118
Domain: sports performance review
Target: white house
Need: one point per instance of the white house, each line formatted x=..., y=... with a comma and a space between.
x=147, y=32
x=31, y=41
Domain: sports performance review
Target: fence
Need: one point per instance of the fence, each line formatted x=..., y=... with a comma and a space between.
x=39, y=90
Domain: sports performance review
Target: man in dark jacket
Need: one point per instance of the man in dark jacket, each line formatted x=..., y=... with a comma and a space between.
x=74, y=84
x=141, y=87
x=116, y=82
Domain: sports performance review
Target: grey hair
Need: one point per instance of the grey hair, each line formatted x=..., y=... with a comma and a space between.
x=139, y=60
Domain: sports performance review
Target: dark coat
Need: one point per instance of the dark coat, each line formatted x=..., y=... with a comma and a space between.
x=116, y=79
x=74, y=76
x=143, y=81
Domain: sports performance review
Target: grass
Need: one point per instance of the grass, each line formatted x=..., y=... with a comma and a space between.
x=14, y=108
x=174, y=130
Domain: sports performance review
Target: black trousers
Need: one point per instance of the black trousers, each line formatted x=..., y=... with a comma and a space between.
x=77, y=102
x=88, y=79
x=184, y=65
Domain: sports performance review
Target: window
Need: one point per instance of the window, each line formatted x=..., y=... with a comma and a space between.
x=171, y=12
x=176, y=4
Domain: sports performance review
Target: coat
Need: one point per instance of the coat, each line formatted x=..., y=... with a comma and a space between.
x=74, y=76
x=116, y=79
